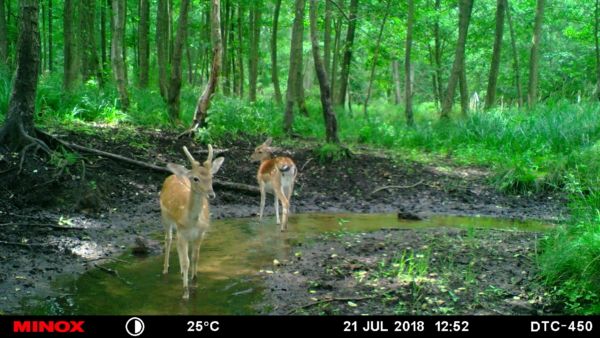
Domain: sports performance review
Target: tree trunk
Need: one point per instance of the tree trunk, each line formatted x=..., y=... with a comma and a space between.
x=465, y=7
x=3, y=34
x=345, y=72
x=18, y=130
x=240, y=46
x=396, y=78
x=162, y=45
x=295, y=64
x=143, y=43
x=597, y=46
x=89, y=54
x=50, y=40
x=327, y=37
x=176, y=69
x=328, y=113
x=434, y=80
x=437, y=52
x=118, y=62
x=490, y=97
x=535, y=54
x=376, y=56
x=174, y=87
x=255, y=14
x=69, y=65
x=515, y=55
x=103, y=54
x=225, y=40
x=43, y=35
x=464, y=90
x=408, y=82
x=274, y=68
x=204, y=100
x=336, y=53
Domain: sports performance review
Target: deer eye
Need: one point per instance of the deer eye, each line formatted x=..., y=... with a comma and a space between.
x=196, y=179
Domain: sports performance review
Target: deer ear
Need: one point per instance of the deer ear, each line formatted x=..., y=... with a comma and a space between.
x=216, y=165
x=178, y=170
x=268, y=141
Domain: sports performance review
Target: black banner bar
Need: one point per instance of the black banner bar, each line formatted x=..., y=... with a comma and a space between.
x=337, y=326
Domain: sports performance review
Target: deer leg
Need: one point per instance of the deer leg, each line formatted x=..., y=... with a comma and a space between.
x=168, y=240
x=196, y=256
x=184, y=263
x=285, y=206
x=262, y=201
x=276, y=209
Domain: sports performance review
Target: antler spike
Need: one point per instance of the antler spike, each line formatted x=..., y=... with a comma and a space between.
x=209, y=158
x=189, y=156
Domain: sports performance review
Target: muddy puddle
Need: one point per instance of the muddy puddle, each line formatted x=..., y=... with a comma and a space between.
x=234, y=257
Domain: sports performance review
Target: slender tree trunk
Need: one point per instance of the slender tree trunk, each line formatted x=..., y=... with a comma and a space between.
x=434, y=80
x=50, y=40
x=325, y=87
x=255, y=13
x=345, y=72
x=295, y=64
x=464, y=90
x=3, y=34
x=465, y=7
x=376, y=56
x=44, y=59
x=204, y=101
x=515, y=55
x=89, y=53
x=162, y=45
x=535, y=54
x=396, y=78
x=18, y=130
x=143, y=43
x=174, y=91
x=69, y=65
x=597, y=46
x=224, y=38
x=408, y=83
x=327, y=37
x=274, y=68
x=231, y=50
x=118, y=62
x=240, y=52
x=490, y=98
x=437, y=52
x=103, y=54
x=336, y=54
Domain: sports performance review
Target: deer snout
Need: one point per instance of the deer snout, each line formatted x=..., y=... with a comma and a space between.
x=211, y=195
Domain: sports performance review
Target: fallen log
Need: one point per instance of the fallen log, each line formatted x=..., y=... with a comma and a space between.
x=223, y=184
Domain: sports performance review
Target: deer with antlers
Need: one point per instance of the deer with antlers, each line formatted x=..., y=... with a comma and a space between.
x=184, y=206
x=277, y=176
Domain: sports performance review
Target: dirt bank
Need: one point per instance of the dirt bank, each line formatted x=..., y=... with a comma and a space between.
x=64, y=218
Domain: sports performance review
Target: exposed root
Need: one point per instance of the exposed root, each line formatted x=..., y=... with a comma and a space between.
x=387, y=187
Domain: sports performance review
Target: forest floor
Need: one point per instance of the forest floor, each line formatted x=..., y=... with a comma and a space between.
x=70, y=216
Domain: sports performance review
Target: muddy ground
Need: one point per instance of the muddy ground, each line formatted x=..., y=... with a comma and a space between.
x=67, y=215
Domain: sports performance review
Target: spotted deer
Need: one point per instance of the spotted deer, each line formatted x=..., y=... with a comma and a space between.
x=184, y=206
x=277, y=176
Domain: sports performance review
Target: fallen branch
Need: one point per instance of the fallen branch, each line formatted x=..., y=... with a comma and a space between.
x=335, y=299
x=26, y=245
x=305, y=163
x=223, y=184
x=396, y=187
x=45, y=225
